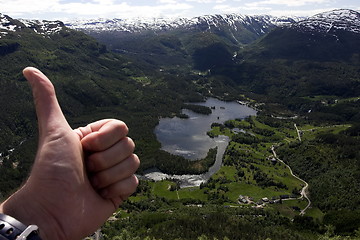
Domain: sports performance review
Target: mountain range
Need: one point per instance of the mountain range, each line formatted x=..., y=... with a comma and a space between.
x=331, y=22
x=164, y=24
x=259, y=25
x=234, y=30
x=268, y=58
x=327, y=22
x=344, y=19
x=124, y=35
x=234, y=45
x=44, y=27
x=235, y=25
x=304, y=70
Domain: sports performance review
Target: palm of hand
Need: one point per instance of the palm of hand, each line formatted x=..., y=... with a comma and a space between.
x=73, y=201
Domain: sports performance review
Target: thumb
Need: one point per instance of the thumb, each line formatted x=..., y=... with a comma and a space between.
x=50, y=116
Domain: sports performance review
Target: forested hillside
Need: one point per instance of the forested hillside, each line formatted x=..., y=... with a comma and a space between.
x=91, y=83
x=331, y=164
x=303, y=63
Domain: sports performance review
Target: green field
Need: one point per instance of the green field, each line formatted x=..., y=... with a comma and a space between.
x=248, y=170
x=250, y=179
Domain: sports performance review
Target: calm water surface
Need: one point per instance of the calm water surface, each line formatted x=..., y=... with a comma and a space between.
x=188, y=138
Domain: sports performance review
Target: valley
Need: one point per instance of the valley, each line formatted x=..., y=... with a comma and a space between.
x=259, y=181
x=301, y=76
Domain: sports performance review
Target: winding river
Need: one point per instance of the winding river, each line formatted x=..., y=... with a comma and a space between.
x=188, y=138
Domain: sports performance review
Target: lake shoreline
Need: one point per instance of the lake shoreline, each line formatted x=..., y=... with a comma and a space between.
x=192, y=180
x=188, y=138
x=192, y=141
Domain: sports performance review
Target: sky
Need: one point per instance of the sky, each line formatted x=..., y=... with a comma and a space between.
x=94, y=9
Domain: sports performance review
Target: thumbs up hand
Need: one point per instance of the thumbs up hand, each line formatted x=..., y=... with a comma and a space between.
x=79, y=177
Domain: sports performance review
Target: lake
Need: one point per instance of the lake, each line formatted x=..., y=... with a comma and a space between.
x=188, y=138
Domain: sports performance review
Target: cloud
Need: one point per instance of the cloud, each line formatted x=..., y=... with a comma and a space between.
x=167, y=1
x=288, y=3
x=103, y=2
x=239, y=9
x=93, y=9
x=300, y=13
x=222, y=7
x=17, y=7
x=206, y=1
x=67, y=9
x=124, y=9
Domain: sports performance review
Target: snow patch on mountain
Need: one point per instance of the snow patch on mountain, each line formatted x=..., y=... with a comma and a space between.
x=207, y=22
x=327, y=22
x=331, y=22
x=7, y=25
x=43, y=27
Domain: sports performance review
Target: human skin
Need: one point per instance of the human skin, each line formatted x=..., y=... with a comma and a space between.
x=79, y=177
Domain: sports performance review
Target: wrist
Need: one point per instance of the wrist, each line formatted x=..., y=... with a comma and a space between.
x=24, y=210
x=12, y=229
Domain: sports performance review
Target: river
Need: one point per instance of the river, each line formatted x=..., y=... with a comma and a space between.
x=188, y=138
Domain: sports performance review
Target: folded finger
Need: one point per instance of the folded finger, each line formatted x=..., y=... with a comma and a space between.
x=117, y=173
x=100, y=161
x=122, y=189
x=101, y=135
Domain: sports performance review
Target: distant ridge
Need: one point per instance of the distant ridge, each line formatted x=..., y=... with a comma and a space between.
x=332, y=21
x=164, y=24
x=326, y=22
x=339, y=19
x=46, y=28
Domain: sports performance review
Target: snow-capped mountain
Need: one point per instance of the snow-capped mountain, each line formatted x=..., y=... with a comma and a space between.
x=331, y=22
x=7, y=25
x=46, y=28
x=329, y=36
x=342, y=19
x=259, y=24
x=236, y=28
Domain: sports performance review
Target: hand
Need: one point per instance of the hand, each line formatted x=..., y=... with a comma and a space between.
x=79, y=177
